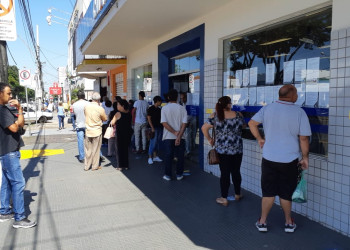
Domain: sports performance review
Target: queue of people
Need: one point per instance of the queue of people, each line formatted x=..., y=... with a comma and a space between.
x=286, y=138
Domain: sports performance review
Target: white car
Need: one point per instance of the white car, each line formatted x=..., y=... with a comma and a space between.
x=41, y=116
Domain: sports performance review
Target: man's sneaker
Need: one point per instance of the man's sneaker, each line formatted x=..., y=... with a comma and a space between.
x=290, y=228
x=262, y=227
x=6, y=217
x=179, y=177
x=150, y=161
x=157, y=159
x=24, y=223
x=167, y=178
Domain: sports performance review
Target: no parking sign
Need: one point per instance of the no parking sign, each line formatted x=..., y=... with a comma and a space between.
x=24, y=77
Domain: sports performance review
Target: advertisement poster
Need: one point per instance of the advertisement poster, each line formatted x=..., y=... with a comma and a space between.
x=270, y=73
x=252, y=96
x=288, y=72
x=245, y=77
x=253, y=76
x=300, y=70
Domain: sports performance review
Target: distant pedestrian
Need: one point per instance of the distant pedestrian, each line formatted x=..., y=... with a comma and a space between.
x=94, y=117
x=108, y=109
x=228, y=143
x=140, y=110
x=13, y=182
x=287, y=131
x=122, y=121
x=72, y=115
x=153, y=117
x=78, y=109
x=50, y=107
x=174, y=120
x=60, y=115
x=66, y=108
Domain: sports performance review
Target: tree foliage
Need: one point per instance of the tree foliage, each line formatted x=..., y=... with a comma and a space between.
x=18, y=91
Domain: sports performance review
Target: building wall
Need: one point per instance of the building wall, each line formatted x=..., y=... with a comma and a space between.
x=328, y=177
x=113, y=87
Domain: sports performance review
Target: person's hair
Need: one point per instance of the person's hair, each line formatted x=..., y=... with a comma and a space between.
x=117, y=98
x=115, y=104
x=108, y=104
x=96, y=96
x=3, y=86
x=142, y=94
x=220, y=107
x=286, y=91
x=131, y=101
x=172, y=95
x=105, y=98
x=81, y=94
x=157, y=98
x=73, y=101
x=60, y=104
x=124, y=103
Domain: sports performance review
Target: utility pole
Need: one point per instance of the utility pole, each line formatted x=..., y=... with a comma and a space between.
x=39, y=63
x=3, y=62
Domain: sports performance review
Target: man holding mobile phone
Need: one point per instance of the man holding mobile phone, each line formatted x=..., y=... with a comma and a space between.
x=13, y=182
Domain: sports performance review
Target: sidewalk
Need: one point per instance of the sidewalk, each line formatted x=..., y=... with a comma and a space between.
x=137, y=209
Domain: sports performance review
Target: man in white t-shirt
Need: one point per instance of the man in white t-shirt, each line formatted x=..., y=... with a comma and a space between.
x=140, y=127
x=174, y=120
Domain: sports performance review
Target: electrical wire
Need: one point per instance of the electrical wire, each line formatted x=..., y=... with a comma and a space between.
x=48, y=60
x=8, y=48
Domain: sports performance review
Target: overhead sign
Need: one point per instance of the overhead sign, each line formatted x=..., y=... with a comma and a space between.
x=24, y=77
x=7, y=20
x=55, y=90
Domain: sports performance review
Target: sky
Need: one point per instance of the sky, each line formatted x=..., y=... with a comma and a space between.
x=53, y=40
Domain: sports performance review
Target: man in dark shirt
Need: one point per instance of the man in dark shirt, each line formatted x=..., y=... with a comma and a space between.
x=12, y=177
x=153, y=117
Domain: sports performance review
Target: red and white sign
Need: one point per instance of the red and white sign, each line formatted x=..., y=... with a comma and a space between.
x=24, y=77
x=55, y=90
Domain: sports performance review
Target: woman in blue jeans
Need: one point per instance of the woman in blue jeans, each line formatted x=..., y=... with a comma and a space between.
x=153, y=117
x=60, y=114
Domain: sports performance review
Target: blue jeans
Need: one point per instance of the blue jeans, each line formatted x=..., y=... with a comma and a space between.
x=61, y=121
x=154, y=143
x=81, y=137
x=13, y=184
x=72, y=117
x=170, y=149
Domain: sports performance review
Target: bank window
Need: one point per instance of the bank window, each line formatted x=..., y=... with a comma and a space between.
x=143, y=78
x=296, y=52
x=186, y=62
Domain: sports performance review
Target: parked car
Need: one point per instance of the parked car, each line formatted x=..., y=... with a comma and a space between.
x=41, y=116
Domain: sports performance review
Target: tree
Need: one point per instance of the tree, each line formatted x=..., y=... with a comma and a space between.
x=18, y=91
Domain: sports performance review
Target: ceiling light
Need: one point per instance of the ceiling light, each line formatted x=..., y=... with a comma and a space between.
x=275, y=41
x=234, y=52
x=236, y=38
x=278, y=55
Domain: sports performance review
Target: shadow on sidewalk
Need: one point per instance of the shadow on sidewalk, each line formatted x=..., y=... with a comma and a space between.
x=190, y=205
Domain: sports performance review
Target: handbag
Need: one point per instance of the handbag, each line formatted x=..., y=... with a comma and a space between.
x=109, y=132
x=300, y=193
x=213, y=155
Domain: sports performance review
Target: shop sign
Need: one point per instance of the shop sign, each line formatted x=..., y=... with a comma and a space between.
x=7, y=21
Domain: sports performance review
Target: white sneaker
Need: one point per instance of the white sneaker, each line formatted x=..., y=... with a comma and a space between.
x=150, y=161
x=157, y=159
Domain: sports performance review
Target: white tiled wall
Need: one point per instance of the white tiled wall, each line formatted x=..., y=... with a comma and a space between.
x=328, y=177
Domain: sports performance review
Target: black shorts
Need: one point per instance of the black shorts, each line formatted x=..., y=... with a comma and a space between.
x=279, y=179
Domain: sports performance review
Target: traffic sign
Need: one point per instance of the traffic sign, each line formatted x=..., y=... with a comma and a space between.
x=24, y=77
x=7, y=20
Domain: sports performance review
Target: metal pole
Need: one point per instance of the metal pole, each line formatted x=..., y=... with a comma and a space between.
x=30, y=132
x=3, y=62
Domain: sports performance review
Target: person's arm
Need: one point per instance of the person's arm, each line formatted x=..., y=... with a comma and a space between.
x=205, y=130
x=133, y=114
x=169, y=128
x=116, y=117
x=103, y=116
x=304, y=146
x=253, y=126
x=180, y=133
x=19, y=123
x=150, y=122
